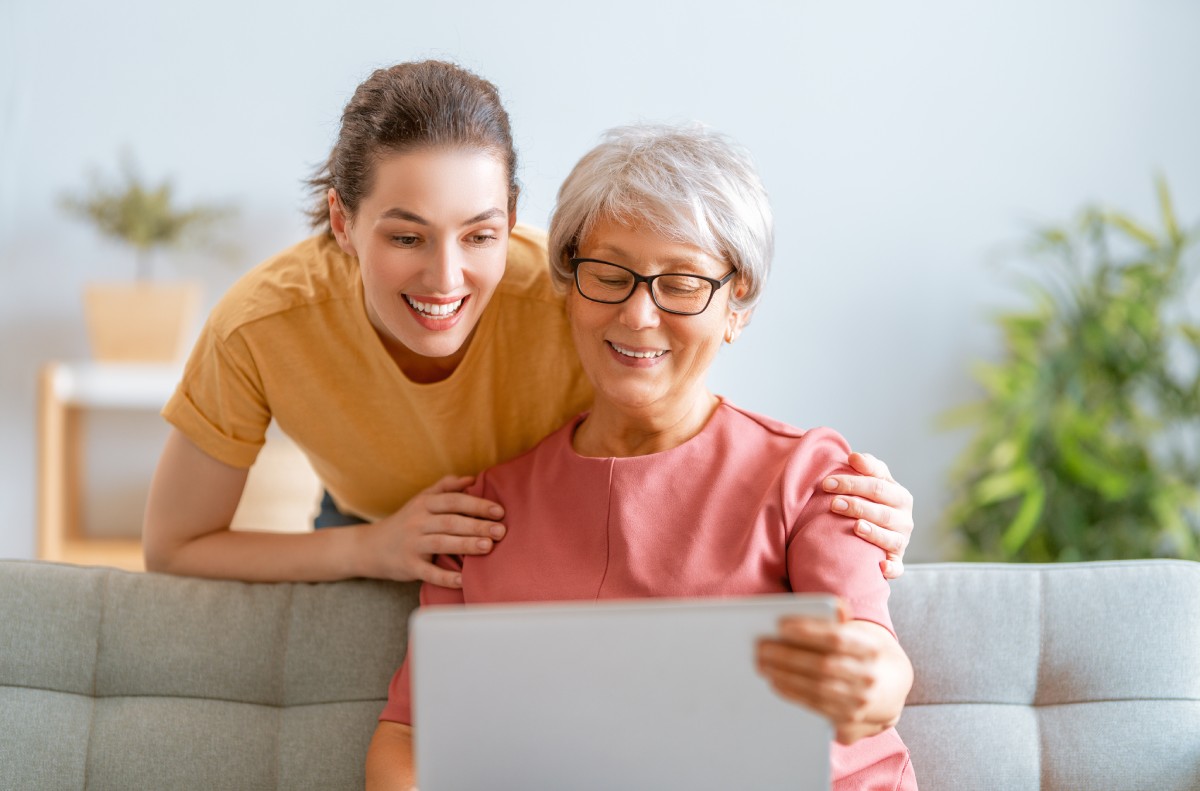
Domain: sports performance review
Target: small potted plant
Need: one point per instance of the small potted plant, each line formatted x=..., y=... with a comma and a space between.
x=142, y=320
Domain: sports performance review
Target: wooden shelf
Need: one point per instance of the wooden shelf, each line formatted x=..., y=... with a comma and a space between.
x=281, y=491
x=64, y=391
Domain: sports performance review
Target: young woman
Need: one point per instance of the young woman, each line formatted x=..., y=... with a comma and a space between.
x=414, y=341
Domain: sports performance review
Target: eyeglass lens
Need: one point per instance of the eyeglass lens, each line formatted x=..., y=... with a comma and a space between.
x=610, y=283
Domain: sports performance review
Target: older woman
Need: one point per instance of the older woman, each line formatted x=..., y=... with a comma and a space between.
x=662, y=237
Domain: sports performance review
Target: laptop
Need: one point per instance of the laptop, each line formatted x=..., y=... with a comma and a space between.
x=647, y=694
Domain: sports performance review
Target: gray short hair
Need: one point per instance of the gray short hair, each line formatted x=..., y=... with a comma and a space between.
x=688, y=182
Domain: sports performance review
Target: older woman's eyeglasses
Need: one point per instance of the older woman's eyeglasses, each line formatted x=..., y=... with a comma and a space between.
x=681, y=294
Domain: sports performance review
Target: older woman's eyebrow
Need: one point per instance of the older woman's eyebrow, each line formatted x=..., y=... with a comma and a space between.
x=396, y=213
x=670, y=261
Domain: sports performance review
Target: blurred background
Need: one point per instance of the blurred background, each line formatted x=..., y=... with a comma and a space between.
x=907, y=148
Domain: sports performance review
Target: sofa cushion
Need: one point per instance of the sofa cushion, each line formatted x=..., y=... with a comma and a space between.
x=1052, y=676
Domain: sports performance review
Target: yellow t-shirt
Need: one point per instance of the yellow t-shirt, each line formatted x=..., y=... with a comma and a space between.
x=291, y=340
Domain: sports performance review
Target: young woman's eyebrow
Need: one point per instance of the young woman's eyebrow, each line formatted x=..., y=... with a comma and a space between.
x=490, y=214
x=404, y=214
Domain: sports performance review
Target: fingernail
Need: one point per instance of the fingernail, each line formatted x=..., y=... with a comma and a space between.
x=830, y=484
x=458, y=580
x=497, y=531
x=840, y=505
x=863, y=529
x=496, y=512
x=484, y=543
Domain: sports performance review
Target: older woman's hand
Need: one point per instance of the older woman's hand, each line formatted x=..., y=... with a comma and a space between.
x=883, y=508
x=853, y=672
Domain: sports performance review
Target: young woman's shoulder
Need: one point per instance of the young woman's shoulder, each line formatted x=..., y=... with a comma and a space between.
x=308, y=273
x=527, y=274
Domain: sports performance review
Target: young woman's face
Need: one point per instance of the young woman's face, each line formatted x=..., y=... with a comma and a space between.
x=431, y=240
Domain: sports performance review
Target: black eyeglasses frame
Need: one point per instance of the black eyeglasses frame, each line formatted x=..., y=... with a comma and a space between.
x=649, y=281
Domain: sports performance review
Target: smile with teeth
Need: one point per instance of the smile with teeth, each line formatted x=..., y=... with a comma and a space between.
x=434, y=311
x=632, y=353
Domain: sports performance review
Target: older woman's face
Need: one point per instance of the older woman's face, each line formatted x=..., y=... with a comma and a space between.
x=641, y=358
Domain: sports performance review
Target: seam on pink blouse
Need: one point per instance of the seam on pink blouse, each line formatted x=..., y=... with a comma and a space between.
x=607, y=527
x=904, y=770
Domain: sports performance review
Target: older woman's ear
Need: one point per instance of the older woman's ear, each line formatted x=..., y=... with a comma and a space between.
x=737, y=320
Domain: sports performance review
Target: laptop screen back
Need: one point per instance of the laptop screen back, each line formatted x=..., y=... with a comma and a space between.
x=647, y=694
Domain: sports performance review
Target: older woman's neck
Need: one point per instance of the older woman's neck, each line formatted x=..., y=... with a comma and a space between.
x=616, y=430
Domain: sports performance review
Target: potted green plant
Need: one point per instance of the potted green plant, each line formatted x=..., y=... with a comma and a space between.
x=1087, y=441
x=142, y=320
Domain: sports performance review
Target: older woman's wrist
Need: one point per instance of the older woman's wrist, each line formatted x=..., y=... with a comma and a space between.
x=893, y=681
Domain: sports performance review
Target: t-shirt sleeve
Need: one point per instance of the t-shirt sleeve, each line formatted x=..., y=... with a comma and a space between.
x=220, y=404
x=824, y=555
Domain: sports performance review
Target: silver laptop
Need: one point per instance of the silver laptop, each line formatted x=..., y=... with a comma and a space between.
x=649, y=694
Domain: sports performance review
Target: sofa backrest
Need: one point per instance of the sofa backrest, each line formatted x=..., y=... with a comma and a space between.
x=1053, y=677
x=1057, y=676
x=115, y=680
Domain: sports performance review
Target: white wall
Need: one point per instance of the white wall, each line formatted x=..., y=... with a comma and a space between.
x=902, y=143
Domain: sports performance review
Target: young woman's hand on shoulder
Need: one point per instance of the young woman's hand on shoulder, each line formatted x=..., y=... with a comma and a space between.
x=882, y=506
x=440, y=520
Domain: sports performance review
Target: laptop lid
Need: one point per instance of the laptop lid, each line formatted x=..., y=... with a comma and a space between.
x=646, y=694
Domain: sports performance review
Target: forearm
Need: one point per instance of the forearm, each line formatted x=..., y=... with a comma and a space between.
x=250, y=556
x=390, y=759
x=191, y=504
x=193, y=498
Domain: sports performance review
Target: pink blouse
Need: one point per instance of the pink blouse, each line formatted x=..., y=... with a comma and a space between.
x=736, y=510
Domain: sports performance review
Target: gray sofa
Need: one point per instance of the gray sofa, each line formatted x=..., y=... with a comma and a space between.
x=1083, y=676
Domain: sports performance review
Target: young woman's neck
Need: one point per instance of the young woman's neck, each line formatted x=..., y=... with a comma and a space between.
x=425, y=370
x=612, y=430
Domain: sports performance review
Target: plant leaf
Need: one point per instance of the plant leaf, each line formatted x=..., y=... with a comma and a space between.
x=1004, y=485
x=1021, y=528
x=1170, y=224
x=1132, y=229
